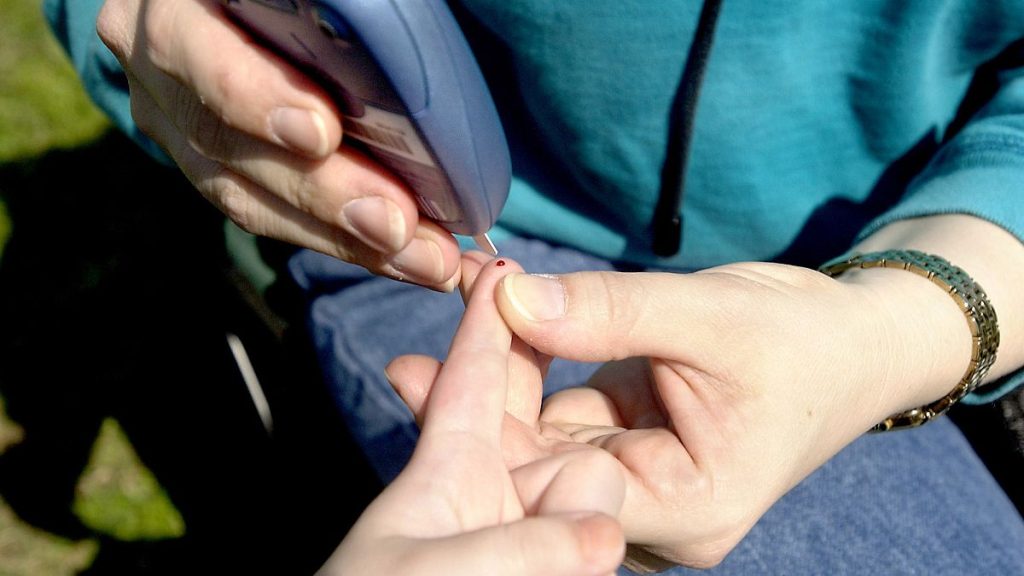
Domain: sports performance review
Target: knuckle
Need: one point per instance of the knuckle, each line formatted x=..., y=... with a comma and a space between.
x=226, y=83
x=301, y=189
x=206, y=133
x=108, y=28
x=782, y=278
x=158, y=44
x=613, y=299
x=236, y=204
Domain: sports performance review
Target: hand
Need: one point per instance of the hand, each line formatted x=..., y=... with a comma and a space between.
x=261, y=141
x=456, y=509
x=728, y=386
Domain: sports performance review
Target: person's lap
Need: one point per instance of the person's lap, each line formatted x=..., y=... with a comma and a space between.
x=904, y=502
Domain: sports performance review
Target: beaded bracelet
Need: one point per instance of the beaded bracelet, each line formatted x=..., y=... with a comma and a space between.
x=981, y=319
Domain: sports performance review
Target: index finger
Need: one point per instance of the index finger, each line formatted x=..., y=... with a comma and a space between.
x=527, y=368
x=249, y=88
x=469, y=393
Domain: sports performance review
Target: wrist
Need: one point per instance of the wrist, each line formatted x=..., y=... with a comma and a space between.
x=924, y=338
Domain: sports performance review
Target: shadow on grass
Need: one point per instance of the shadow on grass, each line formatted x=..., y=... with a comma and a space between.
x=115, y=296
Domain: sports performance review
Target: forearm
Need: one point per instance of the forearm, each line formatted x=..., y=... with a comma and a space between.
x=928, y=331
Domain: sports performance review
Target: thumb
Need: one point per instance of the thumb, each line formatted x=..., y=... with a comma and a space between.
x=601, y=316
x=581, y=544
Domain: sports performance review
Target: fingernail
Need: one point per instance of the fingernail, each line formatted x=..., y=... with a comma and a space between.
x=387, y=376
x=301, y=130
x=421, y=262
x=537, y=297
x=376, y=221
x=601, y=542
x=448, y=285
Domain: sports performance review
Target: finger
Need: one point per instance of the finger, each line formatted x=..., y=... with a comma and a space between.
x=469, y=392
x=564, y=545
x=430, y=259
x=628, y=386
x=344, y=189
x=472, y=262
x=663, y=484
x=644, y=393
x=245, y=86
x=412, y=376
x=580, y=405
x=600, y=316
x=526, y=367
x=574, y=481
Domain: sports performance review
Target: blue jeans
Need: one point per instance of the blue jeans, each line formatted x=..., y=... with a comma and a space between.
x=908, y=502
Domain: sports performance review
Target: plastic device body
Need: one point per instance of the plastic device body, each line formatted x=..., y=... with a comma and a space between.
x=410, y=91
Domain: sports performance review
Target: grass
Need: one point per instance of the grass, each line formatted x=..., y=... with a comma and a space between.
x=118, y=496
x=43, y=108
x=114, y=299
x=39, y=93
x=41, y=103
x=25, y=550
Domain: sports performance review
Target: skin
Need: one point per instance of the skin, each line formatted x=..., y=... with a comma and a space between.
x=724, y=388
x=712, y=400
x=456, y=508
x=262, y=142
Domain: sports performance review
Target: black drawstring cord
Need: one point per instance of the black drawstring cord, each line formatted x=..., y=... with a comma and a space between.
x=667, y=221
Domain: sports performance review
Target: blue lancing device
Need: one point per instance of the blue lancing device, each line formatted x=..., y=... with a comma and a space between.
x=410, y=92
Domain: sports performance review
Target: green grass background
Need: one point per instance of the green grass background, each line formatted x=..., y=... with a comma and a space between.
x=42, y=108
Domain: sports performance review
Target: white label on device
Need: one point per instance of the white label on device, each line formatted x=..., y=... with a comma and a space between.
x=391, y=132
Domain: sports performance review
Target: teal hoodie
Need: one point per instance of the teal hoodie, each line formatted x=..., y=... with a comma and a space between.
x=817, y=123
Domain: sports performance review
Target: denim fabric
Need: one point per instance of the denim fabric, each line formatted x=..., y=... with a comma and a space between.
x=908, y=502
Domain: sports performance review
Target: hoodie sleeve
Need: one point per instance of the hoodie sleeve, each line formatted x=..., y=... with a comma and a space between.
x=74, y=25
x=979, y=171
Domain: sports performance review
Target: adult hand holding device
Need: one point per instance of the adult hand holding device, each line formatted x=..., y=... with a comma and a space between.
x=260, y=140
x=456, y=508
